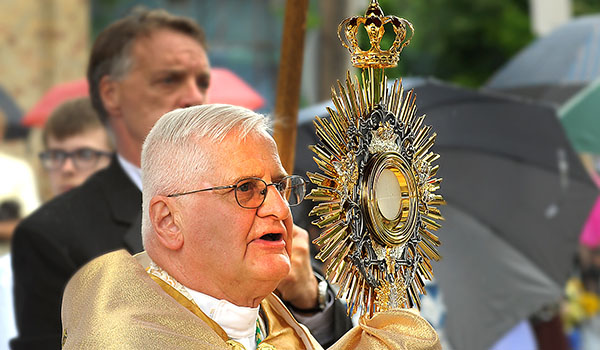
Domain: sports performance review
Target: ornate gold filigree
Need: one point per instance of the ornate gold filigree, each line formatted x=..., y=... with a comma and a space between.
x=390, y=294
x=379, y=258
x=376, y=200
x=383, y=139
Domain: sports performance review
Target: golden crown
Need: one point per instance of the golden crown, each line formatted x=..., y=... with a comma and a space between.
x=374, y=22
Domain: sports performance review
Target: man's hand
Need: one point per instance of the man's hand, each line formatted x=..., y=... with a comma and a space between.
x=300, y=287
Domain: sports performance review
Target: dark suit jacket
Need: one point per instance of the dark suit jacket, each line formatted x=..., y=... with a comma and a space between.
x=49, y=246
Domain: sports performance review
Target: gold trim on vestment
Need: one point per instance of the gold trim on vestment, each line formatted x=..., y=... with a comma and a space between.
x=282, y=329
x=190, y=305
x=112, y=303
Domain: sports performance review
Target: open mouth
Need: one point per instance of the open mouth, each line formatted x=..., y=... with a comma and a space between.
x=273, y=237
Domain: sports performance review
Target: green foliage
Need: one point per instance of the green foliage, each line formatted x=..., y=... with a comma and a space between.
x=102, y=12
x=582, y=7
x=463, y=41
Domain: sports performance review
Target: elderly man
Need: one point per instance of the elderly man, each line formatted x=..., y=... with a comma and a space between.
x=217, y=230
x=140, y=67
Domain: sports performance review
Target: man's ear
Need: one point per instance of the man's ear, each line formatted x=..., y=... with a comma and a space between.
x=109, y=94
x=163, y=213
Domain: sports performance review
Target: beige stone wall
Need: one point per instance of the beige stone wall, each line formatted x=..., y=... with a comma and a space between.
x=42, y=43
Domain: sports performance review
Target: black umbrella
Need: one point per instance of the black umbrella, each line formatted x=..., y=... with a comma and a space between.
x=517, y=198
x=556, y=66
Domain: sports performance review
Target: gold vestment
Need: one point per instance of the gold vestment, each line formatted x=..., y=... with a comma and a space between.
x=113, y=303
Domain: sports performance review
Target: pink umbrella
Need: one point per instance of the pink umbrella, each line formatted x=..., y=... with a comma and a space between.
x=590, y=236
x=52, y=98
x=225, y=87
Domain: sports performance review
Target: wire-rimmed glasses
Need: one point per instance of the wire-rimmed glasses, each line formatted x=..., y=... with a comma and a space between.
x=250, y=192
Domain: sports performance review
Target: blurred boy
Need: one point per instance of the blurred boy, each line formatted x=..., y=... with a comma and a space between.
x=76, y=145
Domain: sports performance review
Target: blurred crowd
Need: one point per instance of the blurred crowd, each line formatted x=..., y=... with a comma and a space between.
x=75, y=144
x=85, y=135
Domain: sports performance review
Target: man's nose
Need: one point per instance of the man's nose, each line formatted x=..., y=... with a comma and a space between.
x=68, y=166
x=193, y=95
x=274, y=204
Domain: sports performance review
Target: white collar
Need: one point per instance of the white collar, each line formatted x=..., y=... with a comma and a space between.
x=238, y=322
x=133, y=172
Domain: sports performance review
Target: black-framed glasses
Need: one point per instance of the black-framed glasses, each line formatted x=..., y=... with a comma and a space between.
x=83, y=158
x=250, y=192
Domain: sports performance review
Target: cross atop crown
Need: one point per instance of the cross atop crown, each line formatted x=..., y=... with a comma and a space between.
x=374, y=22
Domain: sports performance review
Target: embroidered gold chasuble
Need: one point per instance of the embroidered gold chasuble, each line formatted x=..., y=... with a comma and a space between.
x=113, y=303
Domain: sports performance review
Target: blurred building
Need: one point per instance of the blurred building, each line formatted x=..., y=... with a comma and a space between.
x=243, y=35
x=43, y=43
x=546, y=15
x=47, y=42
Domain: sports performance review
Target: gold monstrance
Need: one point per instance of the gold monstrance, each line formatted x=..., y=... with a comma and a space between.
x=376, y=193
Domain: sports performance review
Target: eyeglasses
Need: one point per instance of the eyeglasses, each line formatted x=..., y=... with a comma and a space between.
x=250, y=192
x=83, y=158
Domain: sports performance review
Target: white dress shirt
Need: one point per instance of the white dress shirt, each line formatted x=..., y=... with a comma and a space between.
x=238, y=322
x=133, y=172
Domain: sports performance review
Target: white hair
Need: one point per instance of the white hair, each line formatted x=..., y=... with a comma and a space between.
x=172, y=161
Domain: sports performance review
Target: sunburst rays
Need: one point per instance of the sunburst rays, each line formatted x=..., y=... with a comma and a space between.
x=377, y=262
